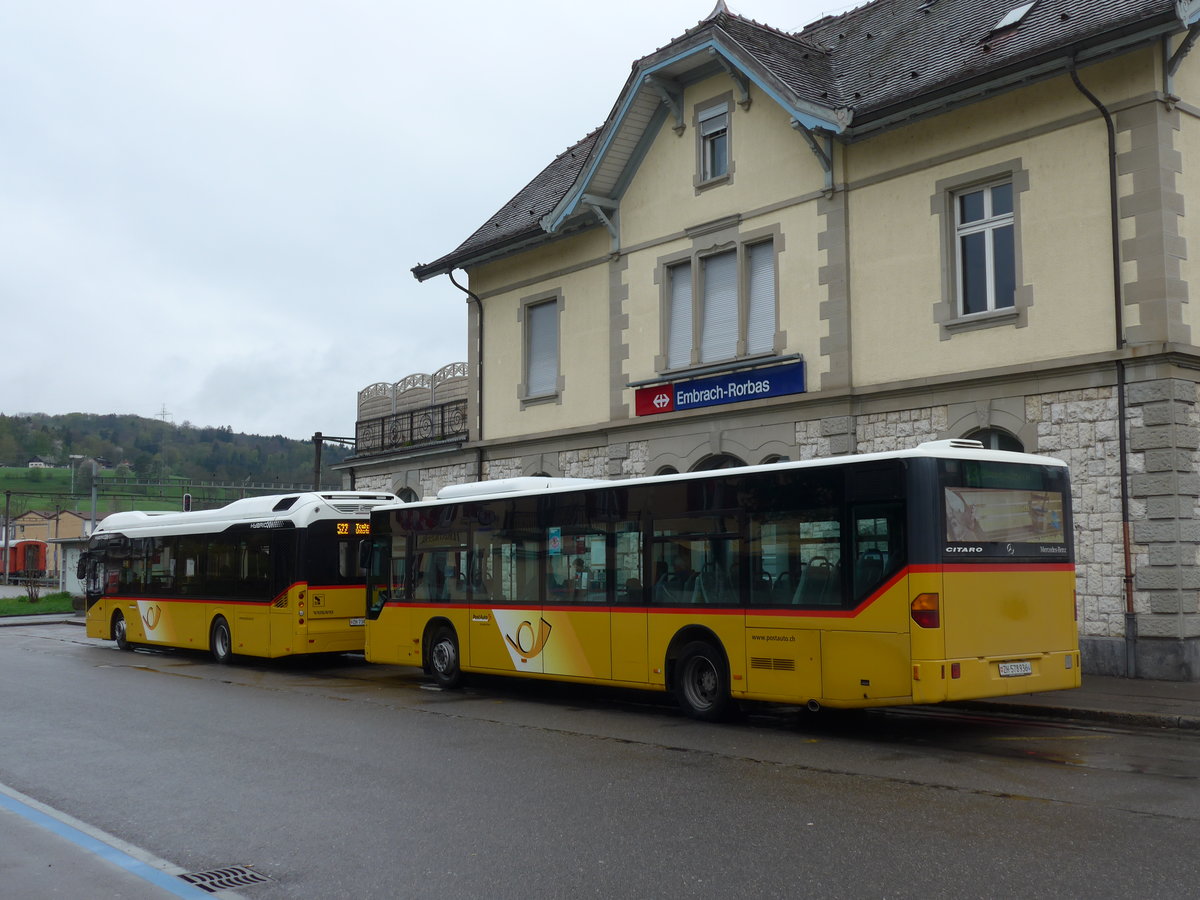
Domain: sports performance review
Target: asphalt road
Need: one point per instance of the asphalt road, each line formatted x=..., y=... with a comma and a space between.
x=347, y=780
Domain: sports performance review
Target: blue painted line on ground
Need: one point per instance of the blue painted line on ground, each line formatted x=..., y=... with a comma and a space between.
x=167, y=882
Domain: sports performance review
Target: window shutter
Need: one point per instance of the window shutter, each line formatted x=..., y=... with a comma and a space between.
x=718, y=340
x=542, y=324
x=760, y=330
x=679, y=337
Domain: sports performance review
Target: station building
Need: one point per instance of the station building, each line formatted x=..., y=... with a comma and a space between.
x=918, y=220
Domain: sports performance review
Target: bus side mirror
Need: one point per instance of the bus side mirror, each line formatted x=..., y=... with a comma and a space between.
x=365, y=550
x=81, y=568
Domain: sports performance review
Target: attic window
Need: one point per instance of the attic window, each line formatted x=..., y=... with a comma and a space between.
x=1014, y=16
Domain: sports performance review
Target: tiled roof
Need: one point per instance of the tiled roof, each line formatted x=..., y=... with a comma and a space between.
x=887, y=54
x=873, y=65
x=517, y=219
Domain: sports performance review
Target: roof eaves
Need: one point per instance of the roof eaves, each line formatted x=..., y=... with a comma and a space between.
x=807, y=113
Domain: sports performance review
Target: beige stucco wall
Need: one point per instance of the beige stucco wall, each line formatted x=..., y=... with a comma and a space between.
x=577, y=269
x=897, y=254
x=770, y=161
x=1187, y=182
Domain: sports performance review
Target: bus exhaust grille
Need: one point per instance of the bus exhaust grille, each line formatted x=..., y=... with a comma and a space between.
x=351, y=509
x=765, y=662
x=225, y=879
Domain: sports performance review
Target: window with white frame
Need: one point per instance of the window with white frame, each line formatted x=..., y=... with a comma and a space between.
x=721, y=306
x=986, y=257
x=714, y=142
x=541, y=348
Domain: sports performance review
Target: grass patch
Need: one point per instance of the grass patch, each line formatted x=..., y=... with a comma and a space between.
x=49, y=603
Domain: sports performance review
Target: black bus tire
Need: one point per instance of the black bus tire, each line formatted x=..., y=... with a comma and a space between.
x=444, y=659
x=120, y=632
x=221, y=641
x=702, y=682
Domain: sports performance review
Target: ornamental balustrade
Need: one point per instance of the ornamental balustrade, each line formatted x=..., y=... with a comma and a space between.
x=437, y=424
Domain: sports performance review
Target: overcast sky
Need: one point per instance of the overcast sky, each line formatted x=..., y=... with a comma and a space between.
x=210, y=209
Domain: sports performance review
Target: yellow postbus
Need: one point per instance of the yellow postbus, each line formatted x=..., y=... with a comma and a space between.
x=263, y=576
x=943, y=572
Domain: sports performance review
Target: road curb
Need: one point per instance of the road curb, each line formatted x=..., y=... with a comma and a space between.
x=1111, y=716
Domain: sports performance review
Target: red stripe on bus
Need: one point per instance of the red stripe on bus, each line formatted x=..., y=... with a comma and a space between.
x=806, y=612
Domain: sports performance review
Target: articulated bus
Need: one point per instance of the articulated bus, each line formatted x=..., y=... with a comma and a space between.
x=263, y=576
x=939, y=573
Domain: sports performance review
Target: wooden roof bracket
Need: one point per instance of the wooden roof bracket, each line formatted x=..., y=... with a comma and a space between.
x=672, y=96
x=597, y=205
x=742, y=82
x=822, y=147
x=1171, y=61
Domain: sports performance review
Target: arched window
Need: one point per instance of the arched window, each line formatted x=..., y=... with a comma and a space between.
x=718, y=461
x=995, y=439
x=407, y=494
x=667, y=470
x=773, y=458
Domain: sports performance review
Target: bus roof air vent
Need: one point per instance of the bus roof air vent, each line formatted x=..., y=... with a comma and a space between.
x=952, y=444
x=285, y=503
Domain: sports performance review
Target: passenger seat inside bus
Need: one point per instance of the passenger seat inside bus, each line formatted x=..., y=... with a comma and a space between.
x=818, y=584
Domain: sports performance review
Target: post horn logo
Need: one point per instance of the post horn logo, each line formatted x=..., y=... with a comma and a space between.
x=528, y=643
x=151, y=616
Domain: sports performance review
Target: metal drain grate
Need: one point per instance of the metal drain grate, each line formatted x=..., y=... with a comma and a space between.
x=225, y=879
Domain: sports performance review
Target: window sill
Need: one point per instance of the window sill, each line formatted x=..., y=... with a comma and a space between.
x=991, y=319
x=704, y=185
x=539, y=399
x=718, y=368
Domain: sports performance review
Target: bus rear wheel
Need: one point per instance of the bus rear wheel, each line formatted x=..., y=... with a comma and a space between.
x=120, y=632
x=443, y=658
x=220, y=641
x=702, y=682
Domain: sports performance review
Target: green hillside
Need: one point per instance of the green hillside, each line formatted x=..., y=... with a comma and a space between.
x=146, y=463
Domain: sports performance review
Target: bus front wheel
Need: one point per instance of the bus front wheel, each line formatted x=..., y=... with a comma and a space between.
x=221, y=642
x=120, y=632
x=702, y=682
x=443, y=658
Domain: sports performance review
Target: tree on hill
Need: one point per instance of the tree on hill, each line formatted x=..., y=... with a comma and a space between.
x=154, y=449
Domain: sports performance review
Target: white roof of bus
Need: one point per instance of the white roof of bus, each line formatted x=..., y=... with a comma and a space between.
x=304, y=508
x=515, y=487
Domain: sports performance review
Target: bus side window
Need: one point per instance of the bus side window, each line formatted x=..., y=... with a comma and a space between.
x=878, y=545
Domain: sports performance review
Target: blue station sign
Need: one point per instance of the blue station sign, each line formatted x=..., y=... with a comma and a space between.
x=734, y=387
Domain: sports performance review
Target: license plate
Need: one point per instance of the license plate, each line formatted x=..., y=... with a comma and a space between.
x=1013, y=669
x=364, y=621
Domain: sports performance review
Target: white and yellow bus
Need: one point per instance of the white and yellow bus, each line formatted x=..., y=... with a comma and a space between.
x=939, y=573
x=264, y=576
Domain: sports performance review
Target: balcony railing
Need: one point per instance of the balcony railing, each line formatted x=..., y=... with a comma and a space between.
x=423, y=427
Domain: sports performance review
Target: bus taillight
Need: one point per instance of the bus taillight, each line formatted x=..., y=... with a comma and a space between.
x=926, y=610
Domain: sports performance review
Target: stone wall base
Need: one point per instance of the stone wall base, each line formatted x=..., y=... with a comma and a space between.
x=1161, y=659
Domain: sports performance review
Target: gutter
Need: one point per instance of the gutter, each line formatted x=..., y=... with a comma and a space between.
x=1119, y=325
x=471, y=295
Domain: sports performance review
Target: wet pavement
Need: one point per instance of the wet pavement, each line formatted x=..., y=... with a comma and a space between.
x=54, y=856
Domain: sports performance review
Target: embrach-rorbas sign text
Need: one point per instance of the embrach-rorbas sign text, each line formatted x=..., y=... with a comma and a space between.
x=734, y=387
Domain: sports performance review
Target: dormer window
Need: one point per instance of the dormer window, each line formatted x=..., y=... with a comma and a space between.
x=714, y=142
x=712, y=122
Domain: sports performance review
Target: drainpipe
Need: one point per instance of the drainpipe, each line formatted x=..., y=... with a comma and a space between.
x=479, y=380
x=1118, y=316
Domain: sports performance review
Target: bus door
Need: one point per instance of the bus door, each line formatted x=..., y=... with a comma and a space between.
x=628, y=620
x=574, y=631
x=504, y=573
x=867, y=656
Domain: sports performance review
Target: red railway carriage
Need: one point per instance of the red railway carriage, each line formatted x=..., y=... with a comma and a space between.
x=24, y=558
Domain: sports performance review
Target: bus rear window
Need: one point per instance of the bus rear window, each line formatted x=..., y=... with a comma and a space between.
x=1005, y=509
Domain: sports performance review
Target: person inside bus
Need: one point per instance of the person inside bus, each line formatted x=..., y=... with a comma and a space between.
x=676, y=586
